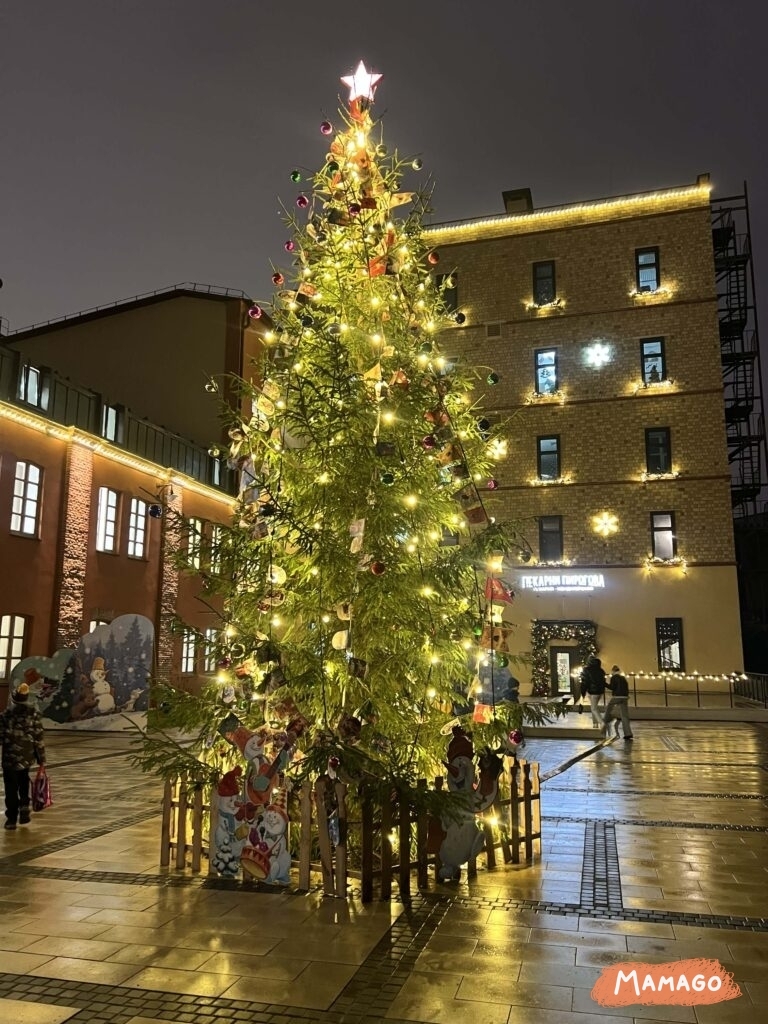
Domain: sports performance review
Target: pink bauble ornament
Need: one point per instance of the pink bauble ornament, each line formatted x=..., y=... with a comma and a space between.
x=326, y=127
x=255, y=312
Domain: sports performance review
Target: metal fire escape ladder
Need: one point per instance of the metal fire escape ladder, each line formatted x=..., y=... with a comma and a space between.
x=740, y=352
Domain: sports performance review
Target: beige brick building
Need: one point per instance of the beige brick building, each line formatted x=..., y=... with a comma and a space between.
x=601, y=322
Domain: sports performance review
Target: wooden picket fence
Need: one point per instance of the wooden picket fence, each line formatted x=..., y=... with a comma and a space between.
x=392, y=833
x=183, y=831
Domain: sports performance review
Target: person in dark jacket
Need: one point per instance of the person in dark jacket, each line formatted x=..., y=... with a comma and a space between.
x=593, y=687
x=21, y=736
x=618, y=705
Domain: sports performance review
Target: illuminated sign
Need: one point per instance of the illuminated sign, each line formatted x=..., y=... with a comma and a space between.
x=564, y=582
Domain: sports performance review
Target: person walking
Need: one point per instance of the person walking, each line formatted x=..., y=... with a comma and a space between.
x=593, y=686
x=21, y=737
x=618, y=705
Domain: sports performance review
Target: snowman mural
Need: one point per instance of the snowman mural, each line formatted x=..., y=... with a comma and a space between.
x=229, y=838
x=102, y=691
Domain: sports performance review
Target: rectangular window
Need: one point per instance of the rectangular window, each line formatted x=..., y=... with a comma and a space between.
x=194, y=541
x=25, y=509
x=33, y=386
x=137, y=528
x=211, y=637
x=550, y=538
x=106, y=520
x=669, y=645
x=13, y=629
x=544, y=290
x=448, y=285
x=653, y=366
x=217, y=537
x=188, y=652
x=112, y=423
x=549, y=458
x=663, y=537
x=647, y=270
x=546, y=371
x=658, y=450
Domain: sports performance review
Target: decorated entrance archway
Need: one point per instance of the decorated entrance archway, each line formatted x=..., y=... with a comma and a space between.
x=581, y=631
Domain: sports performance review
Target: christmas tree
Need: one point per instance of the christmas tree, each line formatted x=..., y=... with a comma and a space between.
x=362, y=577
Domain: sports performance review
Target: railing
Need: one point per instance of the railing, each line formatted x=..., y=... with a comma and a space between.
x=675, y=690
x=185, y=286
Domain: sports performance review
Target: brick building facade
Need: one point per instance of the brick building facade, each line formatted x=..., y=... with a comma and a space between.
x=600, y=321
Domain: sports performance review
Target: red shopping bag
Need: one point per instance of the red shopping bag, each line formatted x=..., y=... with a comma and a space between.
x=41, y=790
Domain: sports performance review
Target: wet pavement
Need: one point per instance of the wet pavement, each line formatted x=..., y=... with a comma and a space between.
x=653, y=851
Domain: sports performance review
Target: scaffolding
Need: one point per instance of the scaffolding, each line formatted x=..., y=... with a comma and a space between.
x=740, y=352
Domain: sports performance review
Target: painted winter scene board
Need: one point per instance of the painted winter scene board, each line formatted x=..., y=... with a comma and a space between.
x=103, y=684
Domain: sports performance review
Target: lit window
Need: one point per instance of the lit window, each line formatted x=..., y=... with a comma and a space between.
x=669, y=645
x=550, y=538
x=217, y=537
x=652, y=362
x=549, y=458
x=112, y=423
x=25, y=509
x=544, y=290
x=13, y=630
x=647, y=272
x=188, y=652
x=448, y=285
x=194, y=541
x=95, y=623
x=137, y=528
x=211, y=639
x=33, y=386
x=663, y=538
x=106, y=520
x=658, y=450
x=546, y=371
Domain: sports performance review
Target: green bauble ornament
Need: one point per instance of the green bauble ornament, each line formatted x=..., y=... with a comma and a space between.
x=295, y=175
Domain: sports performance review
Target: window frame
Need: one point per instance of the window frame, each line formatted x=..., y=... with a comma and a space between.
x=661, y=623
x=138, y=529
x=42, y=385
x=544, y=532
x=653, y=250
x=214, y=549
x=210, y=640
x=21, y=496
x=538, y=367
x=117, y=413
x=666, y=431
x=13, y=643
x=646, y=357
x=657, y=531
x=538, y=284
x=195, y=527
x=540, y=455
x=188, y=660
x=104, y=521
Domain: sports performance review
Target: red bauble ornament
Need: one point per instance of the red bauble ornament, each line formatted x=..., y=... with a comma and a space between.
x=302, y=202
x=433, y=258
x=429, y=442
x=378, y=568
x=354, y=209
x=255, y=312
x=278, y=279
x=289, y=246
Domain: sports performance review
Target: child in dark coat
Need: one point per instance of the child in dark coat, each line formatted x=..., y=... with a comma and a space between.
x=21, y=736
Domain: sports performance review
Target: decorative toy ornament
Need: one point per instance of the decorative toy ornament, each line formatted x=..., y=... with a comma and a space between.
x=255, y=312
x=492, y=484
x=326, y=128
x=429, y=442
x=417, y=164
x=433, y=258
x=155, y=511
x=460, y=318
x=289, y=246
x=378, y=568
x=211, y=386
x=295, y=175
x=493, y=378
x=302, y=202
x=278, y=279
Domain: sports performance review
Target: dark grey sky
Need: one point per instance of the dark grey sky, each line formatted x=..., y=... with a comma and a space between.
x=145, y=142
